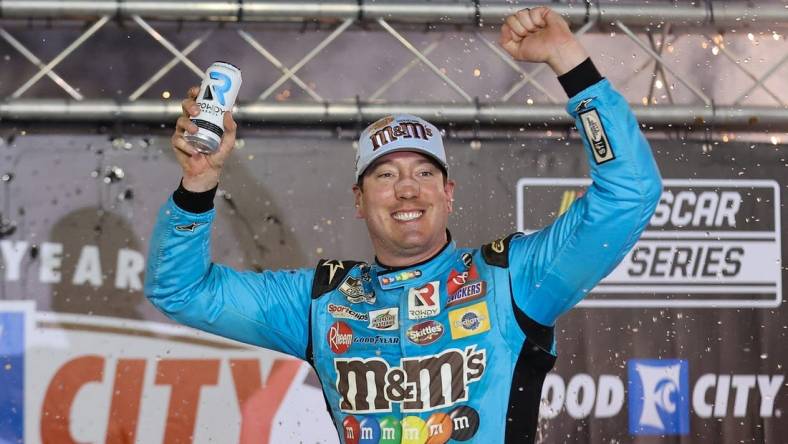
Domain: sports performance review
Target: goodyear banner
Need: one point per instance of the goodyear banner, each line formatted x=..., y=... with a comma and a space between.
x=683, y=342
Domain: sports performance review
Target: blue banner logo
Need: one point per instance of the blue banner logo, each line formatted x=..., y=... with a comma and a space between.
x=12, y=377
x=658, y=396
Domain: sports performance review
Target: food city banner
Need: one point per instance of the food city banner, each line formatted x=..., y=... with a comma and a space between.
x=83, y=378
x=683, y=342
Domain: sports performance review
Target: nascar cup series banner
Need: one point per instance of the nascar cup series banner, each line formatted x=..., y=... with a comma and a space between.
x=683, y=342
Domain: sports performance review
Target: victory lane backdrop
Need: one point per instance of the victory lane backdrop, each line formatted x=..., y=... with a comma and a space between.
x=684, y=342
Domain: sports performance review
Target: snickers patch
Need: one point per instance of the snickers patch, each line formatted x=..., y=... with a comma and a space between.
x=467, y=293
x=458, y=279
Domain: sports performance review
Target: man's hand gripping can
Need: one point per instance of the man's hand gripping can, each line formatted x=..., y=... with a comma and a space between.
x=217, y=95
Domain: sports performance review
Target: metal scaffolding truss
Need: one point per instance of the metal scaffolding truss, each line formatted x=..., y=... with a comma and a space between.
x=722, y=13
x=671, y=94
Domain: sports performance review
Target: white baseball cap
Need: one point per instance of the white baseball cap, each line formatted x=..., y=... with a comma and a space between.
x=399, y=132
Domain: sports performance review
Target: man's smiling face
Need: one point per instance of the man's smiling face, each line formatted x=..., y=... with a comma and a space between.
x=405, y=201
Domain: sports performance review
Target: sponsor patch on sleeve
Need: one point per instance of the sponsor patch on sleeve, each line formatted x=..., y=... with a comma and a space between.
x=596, y=135
x=190, y=227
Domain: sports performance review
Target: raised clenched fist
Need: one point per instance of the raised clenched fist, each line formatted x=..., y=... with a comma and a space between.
x=541, y=35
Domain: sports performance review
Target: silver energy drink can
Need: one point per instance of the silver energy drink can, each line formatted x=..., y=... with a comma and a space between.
x=217, y=95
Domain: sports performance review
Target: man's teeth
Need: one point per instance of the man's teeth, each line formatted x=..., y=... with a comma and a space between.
x=407, y=215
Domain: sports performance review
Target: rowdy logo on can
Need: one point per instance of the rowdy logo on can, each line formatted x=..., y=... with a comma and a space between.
x=217, y=95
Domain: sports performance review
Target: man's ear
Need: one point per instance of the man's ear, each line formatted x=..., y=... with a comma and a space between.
x=449, y=190
x=357, y=194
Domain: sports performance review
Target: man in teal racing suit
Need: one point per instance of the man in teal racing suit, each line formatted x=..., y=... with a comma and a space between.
x=430, y=343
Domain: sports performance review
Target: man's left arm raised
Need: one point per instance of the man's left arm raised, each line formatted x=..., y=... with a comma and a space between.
x=554, y=268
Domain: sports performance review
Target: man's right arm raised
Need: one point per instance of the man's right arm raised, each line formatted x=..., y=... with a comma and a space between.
x=269, y=309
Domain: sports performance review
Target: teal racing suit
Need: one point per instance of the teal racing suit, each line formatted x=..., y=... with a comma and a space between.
x=452, y=349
